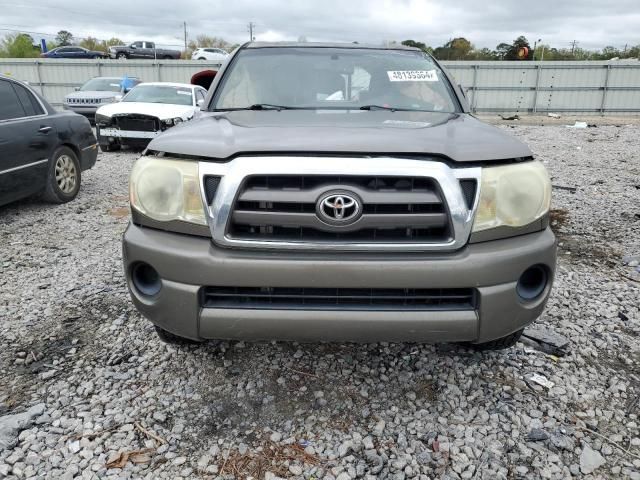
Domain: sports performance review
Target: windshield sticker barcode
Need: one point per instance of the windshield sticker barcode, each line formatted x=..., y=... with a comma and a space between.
x=412, y=75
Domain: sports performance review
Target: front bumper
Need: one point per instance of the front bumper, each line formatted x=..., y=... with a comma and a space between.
x=187, y=263
x=87, y=111
x=117, y=133
x=130, y=138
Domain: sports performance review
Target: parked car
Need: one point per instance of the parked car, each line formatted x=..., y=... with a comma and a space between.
x=212, y=54
x=143, y=50
x=347, y=194
x=97, y=92
x=145, y=112
x=43, y=151
x=73, y=52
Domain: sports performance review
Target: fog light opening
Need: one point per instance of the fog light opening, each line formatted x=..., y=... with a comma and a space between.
x=146, y=279
x=532, y=282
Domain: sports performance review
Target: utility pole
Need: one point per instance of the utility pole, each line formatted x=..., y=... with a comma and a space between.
x=185, y=35
x=251, y=25
x=535, y=45
x=573, y=46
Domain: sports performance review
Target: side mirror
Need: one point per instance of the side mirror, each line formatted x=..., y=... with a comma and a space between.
x=132, y=46
x=200, y=102
x=77, y=89
x=126, y=90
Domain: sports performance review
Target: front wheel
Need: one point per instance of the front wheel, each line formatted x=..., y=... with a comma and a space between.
x=63, y=179
x=499, y=343
x=109, y=147
x=121, y=56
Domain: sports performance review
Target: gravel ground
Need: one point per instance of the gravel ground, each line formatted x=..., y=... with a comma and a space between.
x=88, y=391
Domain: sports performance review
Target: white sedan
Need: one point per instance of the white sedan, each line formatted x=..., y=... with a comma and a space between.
x=145, y=112
x=212, y=54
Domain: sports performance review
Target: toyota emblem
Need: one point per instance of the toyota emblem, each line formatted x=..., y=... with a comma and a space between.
x=339, y=208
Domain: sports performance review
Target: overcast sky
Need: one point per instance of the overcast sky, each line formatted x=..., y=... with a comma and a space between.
x=594, y=24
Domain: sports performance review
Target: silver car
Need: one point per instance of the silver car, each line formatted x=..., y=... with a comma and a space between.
x=97, y=92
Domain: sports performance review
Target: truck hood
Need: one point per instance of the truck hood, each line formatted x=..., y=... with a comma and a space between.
x=160, y=110
x=459, y=137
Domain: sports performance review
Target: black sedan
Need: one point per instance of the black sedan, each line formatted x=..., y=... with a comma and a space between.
x=73, y=52
x=42, y=151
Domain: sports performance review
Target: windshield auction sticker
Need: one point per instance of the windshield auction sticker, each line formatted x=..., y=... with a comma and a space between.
x=412, y=75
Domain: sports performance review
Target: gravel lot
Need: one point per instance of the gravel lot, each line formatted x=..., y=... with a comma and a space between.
x=85, y=384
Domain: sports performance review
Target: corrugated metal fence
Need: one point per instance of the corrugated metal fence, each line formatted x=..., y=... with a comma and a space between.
x=513, y=87
x=55, y=78
x=569, y=87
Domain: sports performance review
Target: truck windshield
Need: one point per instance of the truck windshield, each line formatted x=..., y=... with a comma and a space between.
x=102, y=85
x=160, y=94
x=334, y=78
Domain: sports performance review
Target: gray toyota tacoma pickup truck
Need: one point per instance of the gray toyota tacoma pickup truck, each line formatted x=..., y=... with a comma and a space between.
x=335, y=192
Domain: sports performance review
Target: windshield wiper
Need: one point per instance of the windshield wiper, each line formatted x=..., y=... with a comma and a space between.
x=377, y=107
x=399, y=109
x=258, y=106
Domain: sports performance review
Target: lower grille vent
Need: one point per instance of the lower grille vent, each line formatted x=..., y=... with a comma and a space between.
x=285, y=298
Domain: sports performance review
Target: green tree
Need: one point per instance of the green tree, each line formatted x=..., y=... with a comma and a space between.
x=633, y=52
x=608, y=52
x=91, y=43
x=502, y=50
x=518, y=43
x=205, y=41
x=18, y=45
x=456, y=49
x=64, y=38
x=483, y=54
x=412, y=43
x=112, y=42
x=542, y=51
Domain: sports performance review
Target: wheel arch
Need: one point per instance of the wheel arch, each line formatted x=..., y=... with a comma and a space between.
x=72, y=147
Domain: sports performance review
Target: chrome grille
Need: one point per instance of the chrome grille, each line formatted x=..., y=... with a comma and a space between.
x=83, y=101
x=394, y=209
x=436, y=184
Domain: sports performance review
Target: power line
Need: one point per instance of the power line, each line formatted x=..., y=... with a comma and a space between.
x=573, y=46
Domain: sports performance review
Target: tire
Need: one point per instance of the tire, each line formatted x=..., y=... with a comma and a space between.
x=64, y=176
x=172, y=339
x=167, y=57
x=122, y=56
x=110, y=147
x=497, y=344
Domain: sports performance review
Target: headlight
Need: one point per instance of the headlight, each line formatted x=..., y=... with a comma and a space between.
x=177, y=120
x=168, y=122
x=166, y=190
x=512, y=195
x=102, y=120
